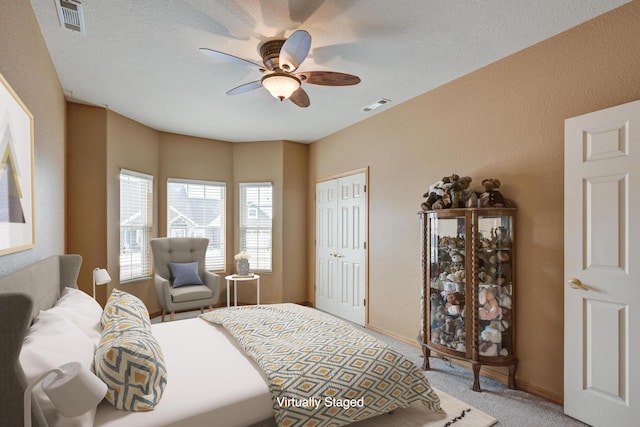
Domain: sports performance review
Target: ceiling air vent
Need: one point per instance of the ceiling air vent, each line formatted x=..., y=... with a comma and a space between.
x=70, y=13
x=379, y=103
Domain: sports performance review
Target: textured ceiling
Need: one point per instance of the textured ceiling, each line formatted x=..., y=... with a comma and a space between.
x=140, y=58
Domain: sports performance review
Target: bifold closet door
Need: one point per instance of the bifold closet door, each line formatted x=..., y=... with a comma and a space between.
x=341, y=231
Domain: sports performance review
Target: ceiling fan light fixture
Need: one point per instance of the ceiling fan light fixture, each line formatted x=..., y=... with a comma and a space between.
x=281, y=85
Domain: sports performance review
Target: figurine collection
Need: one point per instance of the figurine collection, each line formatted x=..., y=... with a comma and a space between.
x=449, y=275
x=454, y=192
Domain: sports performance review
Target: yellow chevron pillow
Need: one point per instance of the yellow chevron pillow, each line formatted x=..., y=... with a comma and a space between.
x=129, y=359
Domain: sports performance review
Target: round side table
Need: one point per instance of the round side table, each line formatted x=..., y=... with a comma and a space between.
x=235, y=278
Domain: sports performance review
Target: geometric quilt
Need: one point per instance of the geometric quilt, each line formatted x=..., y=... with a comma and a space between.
x=321, y=370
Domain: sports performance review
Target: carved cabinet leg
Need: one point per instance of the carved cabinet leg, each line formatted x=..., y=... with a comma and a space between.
x=512, y=376
x=426, y=353
x=476, y=377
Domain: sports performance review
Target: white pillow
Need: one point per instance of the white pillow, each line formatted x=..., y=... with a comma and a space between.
x=52, y=341
x=82, y=310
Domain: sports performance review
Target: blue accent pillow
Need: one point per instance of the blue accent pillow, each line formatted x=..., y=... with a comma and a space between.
x=185, y=273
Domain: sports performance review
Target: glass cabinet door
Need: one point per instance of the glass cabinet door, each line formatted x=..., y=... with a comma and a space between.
x=447, y=281
x=467, y=287
x=495, y=285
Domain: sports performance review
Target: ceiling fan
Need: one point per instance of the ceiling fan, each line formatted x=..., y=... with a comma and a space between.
x=281, y=58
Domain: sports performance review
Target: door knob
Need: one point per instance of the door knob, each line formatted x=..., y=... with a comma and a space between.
x=577, y=284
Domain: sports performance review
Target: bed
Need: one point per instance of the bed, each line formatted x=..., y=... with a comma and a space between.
x=214, y=374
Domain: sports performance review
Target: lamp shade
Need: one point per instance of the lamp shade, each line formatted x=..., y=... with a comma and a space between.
x=280, y=85
x=73, y=389
x=101, y=276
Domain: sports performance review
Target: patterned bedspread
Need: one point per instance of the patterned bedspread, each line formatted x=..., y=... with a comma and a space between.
x=323, y=371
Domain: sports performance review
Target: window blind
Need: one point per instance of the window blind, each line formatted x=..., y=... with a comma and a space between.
x=136, y=221
x=256, y=219
x=197, y=209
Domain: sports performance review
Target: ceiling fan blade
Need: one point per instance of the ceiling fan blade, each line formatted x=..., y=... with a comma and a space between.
x=228, y=57
x=300, y=98
x=328, y=78
x=294, y=50
x=247, y=87
x=301, y=11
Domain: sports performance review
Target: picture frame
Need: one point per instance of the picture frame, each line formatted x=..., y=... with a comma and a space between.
x=17, y=222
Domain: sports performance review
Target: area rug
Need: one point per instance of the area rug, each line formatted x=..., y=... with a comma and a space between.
x=456, y=414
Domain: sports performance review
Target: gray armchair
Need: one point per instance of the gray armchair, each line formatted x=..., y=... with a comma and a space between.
x=182, y=250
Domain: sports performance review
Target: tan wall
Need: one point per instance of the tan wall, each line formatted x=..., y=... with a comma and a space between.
x=102, y=142
x=285, y=165
x=505, y=121
x=26, y=65
x=132, y=146
x=200, y=159
x=187, y=157
x=87, y=191
x=260, y=162
x=294, y=232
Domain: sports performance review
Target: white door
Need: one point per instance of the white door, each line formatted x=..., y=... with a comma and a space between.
x=326, y=246
x=601, y=267
x=341, y=231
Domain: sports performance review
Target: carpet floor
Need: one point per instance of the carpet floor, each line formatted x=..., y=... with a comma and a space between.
x=512, y=408
x=456, y=414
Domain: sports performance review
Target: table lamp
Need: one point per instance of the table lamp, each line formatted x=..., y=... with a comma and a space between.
x=100, y=277
x=72, y=388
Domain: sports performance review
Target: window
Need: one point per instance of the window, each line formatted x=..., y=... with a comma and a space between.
x=136, y=220
x=256, y=213
x=196, y=209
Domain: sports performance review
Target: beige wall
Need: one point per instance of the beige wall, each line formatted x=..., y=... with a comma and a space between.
x=102, y=142
x=199, y=159
x=194, y=158
x=505, y=121
x=86, y=221
x=26, y=65
x=294, y=218
x=284, y=165
x=135, y=147
x=256, y=162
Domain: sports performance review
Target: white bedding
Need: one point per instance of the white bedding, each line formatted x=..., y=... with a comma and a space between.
x=209, y=382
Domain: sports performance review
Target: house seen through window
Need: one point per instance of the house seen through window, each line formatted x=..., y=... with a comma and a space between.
x=196, y=209
x=256, y=218
x=136, y=221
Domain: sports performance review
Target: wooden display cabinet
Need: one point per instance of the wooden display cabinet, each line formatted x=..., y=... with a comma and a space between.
x=467, y=295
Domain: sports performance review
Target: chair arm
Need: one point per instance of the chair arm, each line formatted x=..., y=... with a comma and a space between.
x=162, y=291
x=212, y=281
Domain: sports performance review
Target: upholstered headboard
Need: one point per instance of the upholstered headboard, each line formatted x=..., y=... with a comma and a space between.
x=22, y=295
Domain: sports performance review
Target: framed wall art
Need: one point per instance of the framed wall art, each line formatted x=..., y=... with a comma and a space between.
x=17, y=227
